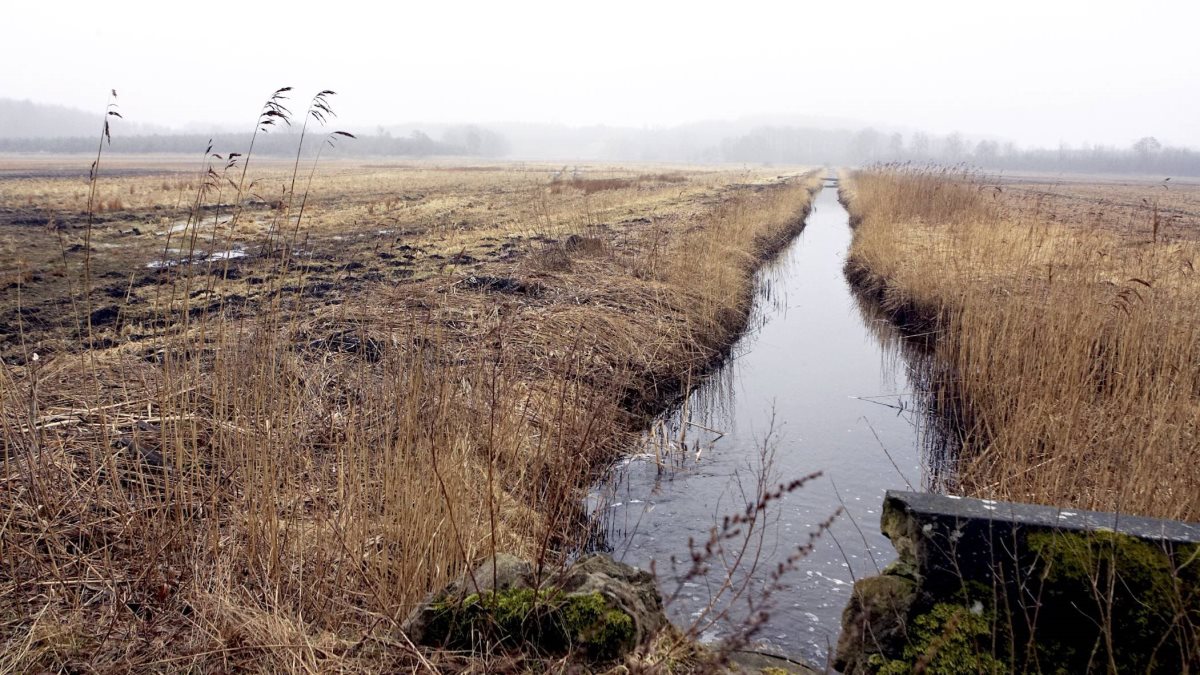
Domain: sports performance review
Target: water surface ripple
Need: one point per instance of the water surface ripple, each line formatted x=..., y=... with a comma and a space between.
x=817, y=384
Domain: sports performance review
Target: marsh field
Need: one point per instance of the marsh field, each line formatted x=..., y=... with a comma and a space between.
x=253, y=431
x=251, y=415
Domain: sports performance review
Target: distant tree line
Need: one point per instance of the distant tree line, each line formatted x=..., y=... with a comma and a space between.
x=729, y=142
x=799, y=145
x=787, y=145
x=27, y=119
x=701, y=142
x=1147, y=155
x=469, y=140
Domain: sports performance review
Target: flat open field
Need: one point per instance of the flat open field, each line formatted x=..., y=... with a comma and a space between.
x=1124, y=205
x=253, y=433
x=362, y=226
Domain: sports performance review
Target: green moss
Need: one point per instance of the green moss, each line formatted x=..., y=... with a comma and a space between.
x=886, y=594
x=1104, y=583
x=903, y=567
x=1067, y=603
x=545, y=621
x=949, y=640
x=899, y=527
x=603, y=631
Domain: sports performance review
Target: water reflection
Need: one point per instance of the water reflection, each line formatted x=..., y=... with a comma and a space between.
x=820, y=382
x=938, y=422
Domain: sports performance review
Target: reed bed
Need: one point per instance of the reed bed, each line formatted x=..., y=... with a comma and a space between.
x=274, y=490
x=1066, y=354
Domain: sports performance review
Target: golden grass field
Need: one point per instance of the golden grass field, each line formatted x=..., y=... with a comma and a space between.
x=363, y=225
x=263, y=461
x=1065, y=325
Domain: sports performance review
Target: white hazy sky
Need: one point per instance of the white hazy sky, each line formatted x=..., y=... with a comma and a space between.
x=1036, y=72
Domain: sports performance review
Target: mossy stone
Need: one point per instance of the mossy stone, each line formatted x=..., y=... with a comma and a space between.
x=549, y=621
x=1106, y=583
x=875, y=622
x=948, y=639
x=596, y=610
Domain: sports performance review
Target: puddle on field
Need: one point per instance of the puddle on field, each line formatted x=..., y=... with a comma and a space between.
x=188, y=223
x=177, y=257
x=228, y=255
x=817, y=384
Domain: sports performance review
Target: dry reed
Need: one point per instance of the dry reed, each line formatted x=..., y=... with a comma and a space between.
x=1068, y=355
x=275, y=490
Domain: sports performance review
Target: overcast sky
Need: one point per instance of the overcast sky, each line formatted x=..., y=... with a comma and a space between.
x=1037, y=72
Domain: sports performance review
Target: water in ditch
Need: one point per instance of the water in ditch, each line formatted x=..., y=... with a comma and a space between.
x=817, y=384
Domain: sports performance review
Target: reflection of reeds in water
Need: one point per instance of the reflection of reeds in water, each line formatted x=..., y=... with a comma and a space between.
x=682, y=434
x=672, y=447
x=739, y=576
x=678, y=438
x=926, y=406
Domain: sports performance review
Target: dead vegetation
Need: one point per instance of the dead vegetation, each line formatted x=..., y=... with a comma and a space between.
x=1066, y=338
x=363, y=226
x=266, y=460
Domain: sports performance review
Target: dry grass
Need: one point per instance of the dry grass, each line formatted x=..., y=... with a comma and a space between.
x=272, y=484
x=1070, y=347
x=362, y=225
x=1122, y=205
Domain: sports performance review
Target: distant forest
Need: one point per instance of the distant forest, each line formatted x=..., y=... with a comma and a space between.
x=468, y=141
x=27, y=127
x=787, y=145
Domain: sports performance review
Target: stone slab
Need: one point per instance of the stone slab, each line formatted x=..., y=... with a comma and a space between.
x=929, y=507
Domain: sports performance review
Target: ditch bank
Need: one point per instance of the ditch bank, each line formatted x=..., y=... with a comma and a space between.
x=658, y=392
x=986, y=586
x=911, y=318
x=816, y=383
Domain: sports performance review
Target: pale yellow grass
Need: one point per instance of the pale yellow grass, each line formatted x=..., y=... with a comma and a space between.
x=321, y=467
x=1073, y=350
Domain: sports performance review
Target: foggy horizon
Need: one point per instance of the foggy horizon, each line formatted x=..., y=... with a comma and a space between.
x=1072, y=73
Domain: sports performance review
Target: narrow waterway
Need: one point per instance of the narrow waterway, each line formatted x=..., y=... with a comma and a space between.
x=817, y=384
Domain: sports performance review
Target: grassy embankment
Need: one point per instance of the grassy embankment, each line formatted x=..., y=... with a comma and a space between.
x=1067, y=330
x=264, y=462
